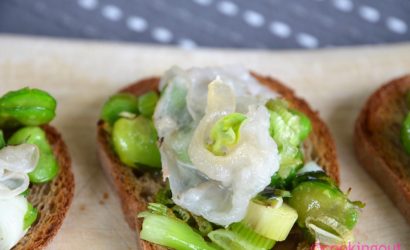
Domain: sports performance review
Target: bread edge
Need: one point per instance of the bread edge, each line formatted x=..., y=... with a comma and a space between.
x=376, y=166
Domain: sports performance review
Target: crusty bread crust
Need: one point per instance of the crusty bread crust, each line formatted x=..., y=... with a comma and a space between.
x=136, y=189
x=51, y=199
x=377, y=141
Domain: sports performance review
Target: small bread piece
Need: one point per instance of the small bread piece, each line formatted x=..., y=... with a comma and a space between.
x=51, y=199
x=377, y=141
x=136, y=189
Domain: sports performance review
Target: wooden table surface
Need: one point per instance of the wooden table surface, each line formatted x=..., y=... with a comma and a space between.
x=81, y=75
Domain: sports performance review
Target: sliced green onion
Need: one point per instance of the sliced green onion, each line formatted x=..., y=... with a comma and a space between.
x=160, y=209
x=240, y=237
x=171, y=232
x=181, y=213
x=147, y=103
x=273, y=222
x=328, y=231
x=164, y=195
x=30, y=216
x=204, y=226
x=225, y=133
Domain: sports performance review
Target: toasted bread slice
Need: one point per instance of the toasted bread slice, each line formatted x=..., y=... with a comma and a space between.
x=51, y=199
x=377, y=141
x=136, y=189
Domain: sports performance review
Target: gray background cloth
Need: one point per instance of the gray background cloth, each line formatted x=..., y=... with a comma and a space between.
x=273, y=24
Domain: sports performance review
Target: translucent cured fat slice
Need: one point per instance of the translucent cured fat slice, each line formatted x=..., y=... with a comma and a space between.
x=15, y=163
x=217, y=187
x=12, y=221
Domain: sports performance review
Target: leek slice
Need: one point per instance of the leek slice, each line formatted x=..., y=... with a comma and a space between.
x=240, y=237
x=273, y=222
x=171, y=232
x=225, y=133
x=328, y=231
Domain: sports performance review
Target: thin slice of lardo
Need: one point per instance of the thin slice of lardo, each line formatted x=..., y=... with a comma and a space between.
x=51, y=199
x=136, y=189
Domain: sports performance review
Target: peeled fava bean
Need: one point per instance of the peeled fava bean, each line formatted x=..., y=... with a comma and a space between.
x=2, y=141
x=135, y=142
x=405, y=133
x=317, y=198
x=147, y=103
x=123, y=102
x=26, y=107
x=47, y=166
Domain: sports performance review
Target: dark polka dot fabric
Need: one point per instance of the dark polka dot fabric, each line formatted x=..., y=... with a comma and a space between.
x=267, y=24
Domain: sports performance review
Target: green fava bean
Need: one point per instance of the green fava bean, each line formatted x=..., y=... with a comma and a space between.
x=47, y=166
x=123, y=102
x=407, y=99
x=147, y=103
x=405, y=133
x=315, y=199
x=135, y=141
x=28, y=107
x=305, y=126
x=2, y=141
x=30, y=217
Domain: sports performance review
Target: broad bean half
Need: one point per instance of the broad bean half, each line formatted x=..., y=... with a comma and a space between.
x=123, y=102
x=135, y=141
x=147, y=103
x=2, y=140
x=26, y=107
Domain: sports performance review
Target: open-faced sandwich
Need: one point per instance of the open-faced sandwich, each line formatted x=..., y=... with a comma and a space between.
x=382, y=140
x=36, y=182
x=220, y=158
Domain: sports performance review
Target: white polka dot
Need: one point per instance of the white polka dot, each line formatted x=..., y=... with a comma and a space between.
x=203, y=2
x=307, y=40
x=162, y=35
x=253, y=18
x=228, y=8
x=396, y=25
x=137, y=24
x=343, y=5
x=186, y=43
x=112, y=12
x=280, y=29
x=88, y=4
x=369, y=13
